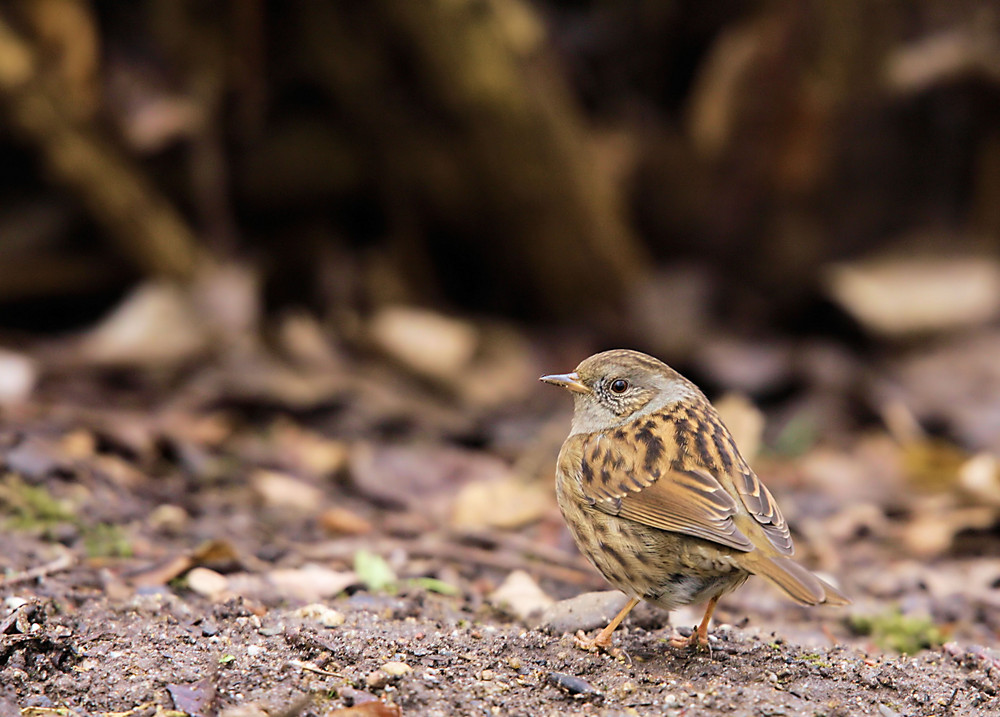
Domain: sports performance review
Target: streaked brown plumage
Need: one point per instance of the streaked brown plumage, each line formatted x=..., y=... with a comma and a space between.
x=658, y=497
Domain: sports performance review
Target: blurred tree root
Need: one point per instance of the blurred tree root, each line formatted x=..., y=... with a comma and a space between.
x=135, y=215
x=482, y=140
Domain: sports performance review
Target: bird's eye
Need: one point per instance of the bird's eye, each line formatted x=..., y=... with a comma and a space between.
x=619, y=385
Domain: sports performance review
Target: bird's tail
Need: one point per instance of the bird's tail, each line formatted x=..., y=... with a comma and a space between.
x=798, y=583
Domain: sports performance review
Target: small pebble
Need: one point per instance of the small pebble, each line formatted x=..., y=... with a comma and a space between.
x=325, y=616
x=572, y=684
x=583, y=612
x=396, y=669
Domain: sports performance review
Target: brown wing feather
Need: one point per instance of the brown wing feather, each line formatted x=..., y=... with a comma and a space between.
x=761, y=505
x=633, y=479
x=721, y=451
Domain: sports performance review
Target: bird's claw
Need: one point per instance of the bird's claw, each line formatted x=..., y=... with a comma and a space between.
x=695, y=639
x=594, y=644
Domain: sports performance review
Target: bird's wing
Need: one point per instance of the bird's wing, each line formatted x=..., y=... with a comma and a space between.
x=634, y=472
x=759, y=502
x=633, y=479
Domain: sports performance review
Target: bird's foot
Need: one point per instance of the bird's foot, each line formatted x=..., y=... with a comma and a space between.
x=695, y=639
x=602, y=642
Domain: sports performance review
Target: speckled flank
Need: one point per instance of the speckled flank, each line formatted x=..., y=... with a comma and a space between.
x=635, y=558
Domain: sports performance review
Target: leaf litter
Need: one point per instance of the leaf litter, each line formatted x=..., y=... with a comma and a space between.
x=333, y=529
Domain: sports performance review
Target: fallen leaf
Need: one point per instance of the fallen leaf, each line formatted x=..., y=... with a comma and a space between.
x=912, y=295
x=155, y=325
x=340, y=521
x=374, y=571
x=426, y=342
x=278, y=490
x=310, y=583
x=207, y=582
x=505, y=503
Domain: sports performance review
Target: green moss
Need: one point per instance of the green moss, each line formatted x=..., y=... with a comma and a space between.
x=815, y=659
x=435, y=586
x=892, y=630
x=106, y=540
x=31, y=507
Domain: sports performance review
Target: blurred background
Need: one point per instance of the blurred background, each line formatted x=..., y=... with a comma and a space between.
x=378, y=222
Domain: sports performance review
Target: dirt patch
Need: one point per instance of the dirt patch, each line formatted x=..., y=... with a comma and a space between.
x=93, y=655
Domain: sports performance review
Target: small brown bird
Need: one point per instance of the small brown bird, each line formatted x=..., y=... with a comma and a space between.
x=659, y=499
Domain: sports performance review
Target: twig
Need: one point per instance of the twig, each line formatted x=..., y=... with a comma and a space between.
x=438, y=546
x=63, y=562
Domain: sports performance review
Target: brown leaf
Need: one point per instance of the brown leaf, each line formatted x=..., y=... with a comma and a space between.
x=505, y=503
x=341, y=521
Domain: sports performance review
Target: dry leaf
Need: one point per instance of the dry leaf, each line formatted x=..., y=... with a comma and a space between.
x=912, y=295
x=278, y=490
x=207, y=582
x=505, y=503
x=426, y=342
x=340, y=521
x=155, y=325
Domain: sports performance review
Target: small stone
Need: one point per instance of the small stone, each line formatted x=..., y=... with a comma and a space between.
x=520, y=595
x=377, y=680
x=486, y=675
x=325, y=616
x=583, y=612
x=572, y=684
x=18, y=376
x=396, y=669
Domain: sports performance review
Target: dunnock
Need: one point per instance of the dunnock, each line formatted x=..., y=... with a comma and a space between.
x=659, y=499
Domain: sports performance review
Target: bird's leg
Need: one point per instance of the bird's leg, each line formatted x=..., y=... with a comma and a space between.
x=700, y=635
x=603, y=639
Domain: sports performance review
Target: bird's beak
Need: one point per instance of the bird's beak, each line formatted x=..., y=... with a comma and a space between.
x=569, y=381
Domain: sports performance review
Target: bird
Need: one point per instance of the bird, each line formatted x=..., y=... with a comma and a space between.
x=659, y=499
